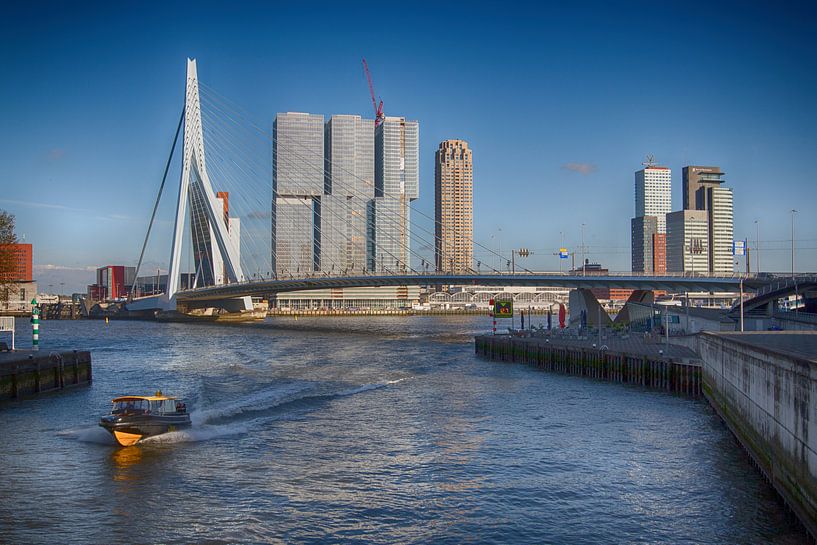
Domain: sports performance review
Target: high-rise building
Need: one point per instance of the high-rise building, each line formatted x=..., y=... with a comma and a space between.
x=642, y=231
x=653, y=194
x=17, y=262
x=721, y=230
x=349, y=180
x=453, y=207
x=688, y=241
x=297, y=184
x=696, y=180
x=659, y=253
x=397, y=183
x=703, y=191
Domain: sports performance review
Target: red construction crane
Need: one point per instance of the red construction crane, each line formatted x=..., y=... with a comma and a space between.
x=378, y=108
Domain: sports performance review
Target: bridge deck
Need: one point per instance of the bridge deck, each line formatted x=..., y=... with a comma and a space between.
x=672, y=283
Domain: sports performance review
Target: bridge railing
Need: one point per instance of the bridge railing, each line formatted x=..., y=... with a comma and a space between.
x=571, y=274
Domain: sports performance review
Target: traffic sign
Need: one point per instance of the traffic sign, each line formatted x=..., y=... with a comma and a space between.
x=563, y=253
x=739, y=247
x=503, y=309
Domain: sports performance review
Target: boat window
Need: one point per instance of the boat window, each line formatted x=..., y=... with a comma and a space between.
x=169, y=406
x=130, y=406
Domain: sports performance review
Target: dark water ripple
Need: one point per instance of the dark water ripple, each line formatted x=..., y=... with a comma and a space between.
x=367, y=431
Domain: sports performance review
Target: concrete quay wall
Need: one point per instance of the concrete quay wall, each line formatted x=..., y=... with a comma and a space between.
x=768, y=399
x=27, y=373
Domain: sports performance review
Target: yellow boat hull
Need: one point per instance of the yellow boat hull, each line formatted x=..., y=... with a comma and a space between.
x=126, y=439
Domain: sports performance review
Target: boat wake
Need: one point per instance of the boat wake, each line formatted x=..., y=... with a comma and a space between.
x=91, y=434
x=258, y=401
x=229, y=419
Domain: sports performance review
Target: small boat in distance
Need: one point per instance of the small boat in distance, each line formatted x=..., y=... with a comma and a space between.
x=133, y=418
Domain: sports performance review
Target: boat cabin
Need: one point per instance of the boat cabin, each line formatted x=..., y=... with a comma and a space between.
x=157, y=404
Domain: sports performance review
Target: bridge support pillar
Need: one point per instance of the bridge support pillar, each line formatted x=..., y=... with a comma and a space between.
x=640, y=297
x=584, y=300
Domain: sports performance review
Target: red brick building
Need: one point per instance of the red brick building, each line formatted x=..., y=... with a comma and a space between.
x=22, y=256
x=112, y=282
x=659, y=253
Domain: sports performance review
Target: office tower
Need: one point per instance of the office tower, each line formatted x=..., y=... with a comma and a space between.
x=233, y=232
x=653, y=193
x=453, y=207
x=688, y=241
x=703, y=191
x=297, y=185
x=397, y=183
x=641, y=231
x=696, y=180
x=349, y=186
x=721, y=235
x=659, y=253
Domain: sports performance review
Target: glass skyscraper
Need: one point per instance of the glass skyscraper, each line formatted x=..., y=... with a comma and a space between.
x=349, y=180
x=397, y=183
x=341, y=194
x=297, y=183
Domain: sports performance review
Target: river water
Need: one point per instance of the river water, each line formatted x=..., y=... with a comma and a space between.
x=367, y=430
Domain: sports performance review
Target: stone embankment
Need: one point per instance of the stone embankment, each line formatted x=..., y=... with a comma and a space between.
x=25, y=373
x=764, y=387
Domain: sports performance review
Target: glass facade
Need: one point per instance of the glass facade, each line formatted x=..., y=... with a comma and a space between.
x=397, y=183
x=643, y=230
x=297, y=181
x=653, y=194
x=721, y=231
x=293, y=236
x=341, y=194
x=349, y=179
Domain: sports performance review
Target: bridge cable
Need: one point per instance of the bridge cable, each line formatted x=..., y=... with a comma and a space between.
x=223, y=99
x=156, y=206
x=326, y=173
x=327, y=212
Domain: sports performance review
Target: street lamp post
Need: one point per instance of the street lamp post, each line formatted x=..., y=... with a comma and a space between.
x=561, y=245
x=583, y=268
x=793, y=212
x=741, y=304
x=757, y=246
x=796, y=295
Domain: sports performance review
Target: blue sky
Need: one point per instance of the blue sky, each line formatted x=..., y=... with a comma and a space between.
x=560, y=104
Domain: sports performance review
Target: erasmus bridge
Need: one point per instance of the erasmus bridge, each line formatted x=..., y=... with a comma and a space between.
x=215, y=241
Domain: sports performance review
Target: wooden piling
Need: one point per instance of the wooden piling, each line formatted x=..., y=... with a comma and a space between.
x=680, y=378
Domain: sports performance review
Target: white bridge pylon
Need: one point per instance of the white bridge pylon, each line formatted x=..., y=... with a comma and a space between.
x=209, y=230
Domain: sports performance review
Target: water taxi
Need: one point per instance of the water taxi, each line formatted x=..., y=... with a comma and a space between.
x=134, y=418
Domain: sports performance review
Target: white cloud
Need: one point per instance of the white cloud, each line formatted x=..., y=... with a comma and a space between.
x=582, y=168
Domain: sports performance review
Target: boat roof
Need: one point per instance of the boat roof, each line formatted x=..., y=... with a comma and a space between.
x=147, y=398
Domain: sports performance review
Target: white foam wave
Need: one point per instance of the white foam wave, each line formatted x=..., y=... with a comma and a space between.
x=196, y=434
x=92, y=434
x=369, y=387
x=261, y=400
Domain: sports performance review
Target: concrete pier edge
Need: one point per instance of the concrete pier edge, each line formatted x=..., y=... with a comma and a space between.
x=26, y=373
